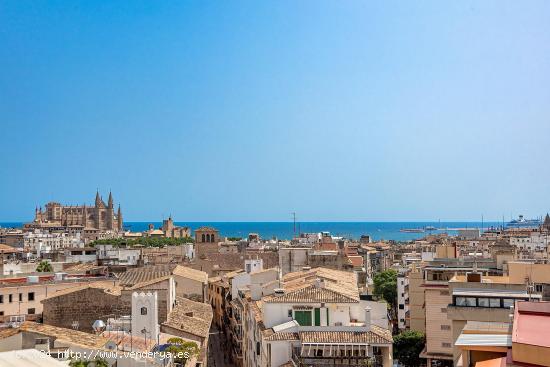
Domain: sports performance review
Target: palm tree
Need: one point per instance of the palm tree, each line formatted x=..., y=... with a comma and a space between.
x=44, y=267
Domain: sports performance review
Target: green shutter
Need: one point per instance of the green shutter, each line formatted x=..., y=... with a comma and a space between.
x=303, y=318
x=317, y=317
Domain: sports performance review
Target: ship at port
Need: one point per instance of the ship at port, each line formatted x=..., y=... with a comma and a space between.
x=521, y=222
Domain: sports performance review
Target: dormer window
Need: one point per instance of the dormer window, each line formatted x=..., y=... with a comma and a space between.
x=144, y=310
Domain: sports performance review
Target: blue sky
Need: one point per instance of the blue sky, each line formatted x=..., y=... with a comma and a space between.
x=338, y=110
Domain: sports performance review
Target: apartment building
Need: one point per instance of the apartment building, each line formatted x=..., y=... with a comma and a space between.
x=315, y=318
x=403, y=299
x=480, y=298
x=436, y=276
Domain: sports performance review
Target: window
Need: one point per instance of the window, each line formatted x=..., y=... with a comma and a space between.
x=20, y=297
x=538, y=288
x=507, y=302
x=445, y=327
x=1, y=299
x=30, y=296
x=10, y=298
x=460, y=301
x=443, y=293
x=401, y=307
x=289, y=313
x=446, y=345
x=444, y=310
x=144, y=310
x=31, y=311
x=483, y=302
x=494, y=302
x=1, y=313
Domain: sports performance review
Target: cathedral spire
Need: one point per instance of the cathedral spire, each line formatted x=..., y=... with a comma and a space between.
x=119, y=218
x=97, y=199
x=110, y=201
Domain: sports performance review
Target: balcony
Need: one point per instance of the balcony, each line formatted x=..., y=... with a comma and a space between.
x=373, y=361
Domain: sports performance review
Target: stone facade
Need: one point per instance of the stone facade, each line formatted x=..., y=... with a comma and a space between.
x=101, y=216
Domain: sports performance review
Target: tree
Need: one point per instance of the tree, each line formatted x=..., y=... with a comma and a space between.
x=385, y=286
x=100, y=362
x=407, y=347
x=44, y=267
x=184, y=349
x=78, y=363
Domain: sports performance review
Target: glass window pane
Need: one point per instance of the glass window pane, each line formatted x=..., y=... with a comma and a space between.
x=460, y=301
x=507, y=302
x=483, y=302
x=494, y=302
x=471, y=302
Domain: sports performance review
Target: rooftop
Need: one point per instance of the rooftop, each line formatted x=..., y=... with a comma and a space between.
x=190, y=317
x=530, y=320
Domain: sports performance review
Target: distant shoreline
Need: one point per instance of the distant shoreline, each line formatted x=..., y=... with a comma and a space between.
x=285, y=230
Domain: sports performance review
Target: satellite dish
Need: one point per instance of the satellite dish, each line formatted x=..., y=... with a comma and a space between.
x=98, y=326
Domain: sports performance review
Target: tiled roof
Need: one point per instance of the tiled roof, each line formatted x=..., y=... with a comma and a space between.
x=185, y=272
x=144, y=274
x=311, y=294
x=283, y=336
x=7, y=332
x=149, y=282
x=110, y=287
x=375, y=336
x=342, y=282
x=190, y=317
x=66, y=335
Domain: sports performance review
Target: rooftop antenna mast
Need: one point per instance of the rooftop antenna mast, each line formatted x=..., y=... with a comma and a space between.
x=294, y=220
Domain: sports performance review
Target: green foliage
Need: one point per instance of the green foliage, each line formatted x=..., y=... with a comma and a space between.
x=44, y=267
x=234, y=238
x=179, y=345
x=407, y=347
x=385, y=286
x=144, y=241
x=78, y=363
x=100, y=362
x=97, y=362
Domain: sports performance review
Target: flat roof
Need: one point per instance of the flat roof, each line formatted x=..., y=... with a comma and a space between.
x=493, y=293
x=486, y=340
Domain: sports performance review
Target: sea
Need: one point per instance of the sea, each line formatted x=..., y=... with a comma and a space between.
x=286, y=230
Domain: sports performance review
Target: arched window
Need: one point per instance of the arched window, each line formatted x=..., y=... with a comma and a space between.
x=144, y=310
x=212, y=237
x=203, y=238
x=208, y=237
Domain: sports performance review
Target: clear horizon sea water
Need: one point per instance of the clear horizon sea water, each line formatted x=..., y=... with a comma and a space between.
x=285, y=230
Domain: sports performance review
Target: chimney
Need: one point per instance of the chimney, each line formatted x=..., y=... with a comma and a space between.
x=367, y=318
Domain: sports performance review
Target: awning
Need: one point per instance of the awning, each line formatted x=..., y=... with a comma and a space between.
x=485, y=340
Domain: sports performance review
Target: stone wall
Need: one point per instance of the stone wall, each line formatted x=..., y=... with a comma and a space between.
x=84, y=306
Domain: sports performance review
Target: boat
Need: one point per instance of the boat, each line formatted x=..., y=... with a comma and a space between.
x=430, y=228
x=412, y=230
x=521, y=222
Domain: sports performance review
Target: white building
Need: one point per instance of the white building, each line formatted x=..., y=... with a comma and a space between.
x=315, y=318
x=40, y=241
x=402, y=299
x=114, y=255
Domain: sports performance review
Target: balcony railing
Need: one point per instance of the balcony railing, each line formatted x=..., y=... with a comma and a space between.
x=372, y=361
